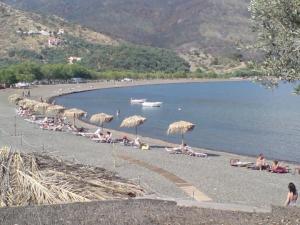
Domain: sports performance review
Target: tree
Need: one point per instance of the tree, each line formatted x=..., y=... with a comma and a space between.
x=277, y=23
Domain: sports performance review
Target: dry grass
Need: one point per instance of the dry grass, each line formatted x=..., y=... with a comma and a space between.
x=28, y=179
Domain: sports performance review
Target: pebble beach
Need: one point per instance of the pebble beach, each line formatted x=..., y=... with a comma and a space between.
x=210, y=179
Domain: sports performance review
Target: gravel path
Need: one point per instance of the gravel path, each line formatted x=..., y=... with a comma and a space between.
x=213, y=176
x=136, y=212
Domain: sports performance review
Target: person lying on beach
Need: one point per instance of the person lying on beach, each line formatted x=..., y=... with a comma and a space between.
x=99, y=138
x=75, y=129
x=239, y=163
x=175, y=150
x=276, y=168
x=189, y=151
x=185, y=149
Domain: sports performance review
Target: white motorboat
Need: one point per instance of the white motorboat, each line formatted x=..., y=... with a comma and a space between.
x=152, y=104
x=137, y=101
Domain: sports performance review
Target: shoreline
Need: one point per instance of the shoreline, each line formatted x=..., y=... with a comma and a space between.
x=178, y=81
x=93, y=86
x=213, y=175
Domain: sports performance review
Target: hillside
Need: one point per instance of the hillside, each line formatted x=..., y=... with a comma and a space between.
x=48, y=39
x=209, y=26
x=20, y=30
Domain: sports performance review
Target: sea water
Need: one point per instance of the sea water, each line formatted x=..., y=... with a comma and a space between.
x=237, y=117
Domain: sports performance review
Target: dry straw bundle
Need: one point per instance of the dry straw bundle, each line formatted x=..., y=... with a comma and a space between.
x=34, y=178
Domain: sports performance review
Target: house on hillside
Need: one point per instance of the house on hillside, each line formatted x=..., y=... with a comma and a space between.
x=60, y=31
x=44, y=32
x=73, y=59
x=53, y=42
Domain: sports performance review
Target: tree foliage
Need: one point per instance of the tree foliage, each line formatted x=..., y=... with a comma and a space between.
x=277, y=23
x=107, y=57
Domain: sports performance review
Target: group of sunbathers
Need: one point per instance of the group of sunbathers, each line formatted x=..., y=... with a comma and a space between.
x=185, y=149
x=261, y=164
x=60, y=124
x=23, y=112
x=98, y=136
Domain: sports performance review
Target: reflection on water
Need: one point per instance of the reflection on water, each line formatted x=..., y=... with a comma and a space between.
x=238, y=117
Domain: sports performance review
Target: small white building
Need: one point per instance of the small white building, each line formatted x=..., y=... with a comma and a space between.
x=61, y=31
x=73, y=59
x=44, y=32
x=52, y=42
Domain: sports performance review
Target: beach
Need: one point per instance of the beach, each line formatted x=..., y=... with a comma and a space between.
x=165, y=176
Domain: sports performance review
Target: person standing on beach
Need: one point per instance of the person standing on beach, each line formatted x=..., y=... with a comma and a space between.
x=292, y=195
x=118, y=113
x=28, y=93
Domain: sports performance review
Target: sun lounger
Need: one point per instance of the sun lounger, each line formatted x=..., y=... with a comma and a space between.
x=238, y=163
x=198, y=154
x=173, y=150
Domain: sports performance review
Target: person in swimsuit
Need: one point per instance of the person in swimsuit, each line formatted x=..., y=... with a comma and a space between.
x=292, y=195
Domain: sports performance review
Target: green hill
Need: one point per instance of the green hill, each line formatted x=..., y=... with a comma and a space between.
x=209, y=26
x=47, y=39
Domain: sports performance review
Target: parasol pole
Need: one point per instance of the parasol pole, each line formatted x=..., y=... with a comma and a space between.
x=182, y=138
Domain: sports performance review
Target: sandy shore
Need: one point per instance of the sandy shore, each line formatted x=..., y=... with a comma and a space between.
x=213, y=177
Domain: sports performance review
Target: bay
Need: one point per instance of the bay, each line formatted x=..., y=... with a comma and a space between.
x=237, y=117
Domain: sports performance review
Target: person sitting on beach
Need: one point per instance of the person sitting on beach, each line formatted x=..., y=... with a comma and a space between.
x=126, y=141
x=137, y=142
x=276, y=168
x=261, y=163
x=108, y=137
x=292, y=195
x=189, y=151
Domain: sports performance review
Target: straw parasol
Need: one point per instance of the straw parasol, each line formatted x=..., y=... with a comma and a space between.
x=180, y=127
x=101, y=118
x=133, y=121
x=74, y=113
x=41, y=107
x=55, y=110
x=28, y=103
x=15, y=98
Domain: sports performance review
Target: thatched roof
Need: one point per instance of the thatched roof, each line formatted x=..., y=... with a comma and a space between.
x=180, y=127
x=28, y=103
x=41, y=107
x=77, y=113
x=37, y=178
x=15, y=98
x=55, y=110
x=101, y=118
x=133, y=121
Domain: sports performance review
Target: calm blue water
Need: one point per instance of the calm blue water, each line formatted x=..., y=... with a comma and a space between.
x=237, y=117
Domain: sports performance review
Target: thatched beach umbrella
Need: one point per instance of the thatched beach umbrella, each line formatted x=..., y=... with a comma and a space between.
x=15, y=98
x=74, y=113
x=101, y=118
x=133, y=121
x=28, y=103
x=55, y=110
x=41, y=107
x=180, y=127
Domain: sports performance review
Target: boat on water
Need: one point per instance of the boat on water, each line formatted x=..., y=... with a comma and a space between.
x=152, y=104
x=137, y=101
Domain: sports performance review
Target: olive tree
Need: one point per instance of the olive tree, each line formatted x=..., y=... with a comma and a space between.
x=277, y=24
